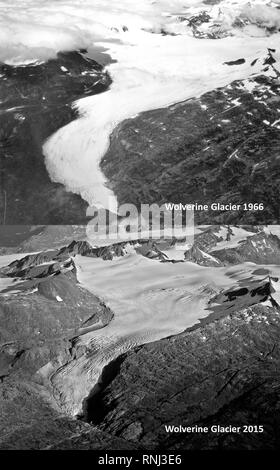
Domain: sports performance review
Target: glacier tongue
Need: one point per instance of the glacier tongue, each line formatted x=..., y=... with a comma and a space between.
x=158, y=61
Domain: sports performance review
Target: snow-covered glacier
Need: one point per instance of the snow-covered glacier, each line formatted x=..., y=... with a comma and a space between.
x=163, y=52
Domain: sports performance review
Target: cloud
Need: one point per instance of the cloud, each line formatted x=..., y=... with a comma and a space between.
x=262, y=15
x=37, y=29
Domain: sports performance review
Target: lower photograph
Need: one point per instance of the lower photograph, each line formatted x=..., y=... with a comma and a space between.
x=144, y=345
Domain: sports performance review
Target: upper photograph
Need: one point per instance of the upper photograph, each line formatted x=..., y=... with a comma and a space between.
x=173, y=103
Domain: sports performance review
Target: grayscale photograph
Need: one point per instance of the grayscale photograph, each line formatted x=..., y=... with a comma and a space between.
x=140, y=227
x=118, y=347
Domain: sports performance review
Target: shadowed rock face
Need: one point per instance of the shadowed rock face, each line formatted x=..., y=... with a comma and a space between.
x=29, y=422
x=36, y=101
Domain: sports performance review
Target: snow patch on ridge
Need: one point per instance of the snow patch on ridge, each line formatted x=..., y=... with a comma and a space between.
x=238, y=234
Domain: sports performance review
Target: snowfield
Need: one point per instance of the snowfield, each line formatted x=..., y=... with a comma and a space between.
x=150, y=300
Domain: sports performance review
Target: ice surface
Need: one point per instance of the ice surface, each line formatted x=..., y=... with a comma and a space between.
x=144, y=291
x=150, y=300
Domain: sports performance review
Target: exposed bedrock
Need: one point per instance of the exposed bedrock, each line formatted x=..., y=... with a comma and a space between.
x=40, y=317
x=222, y=372
x=212, y=249
x=29, y=422
x=220, y=148
x=37, y=321
x=35, y=101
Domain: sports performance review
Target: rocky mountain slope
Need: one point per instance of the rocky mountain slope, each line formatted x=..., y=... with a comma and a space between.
x=224, y=372
x=260, y=248
x=31, y=238
x=218, y=245
x=41, y=313
x=36, y=100
x=220, y=148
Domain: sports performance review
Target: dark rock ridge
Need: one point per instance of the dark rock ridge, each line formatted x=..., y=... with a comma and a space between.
x=86, y=249
x=52, y=261
x=261, y=248
x=220, y=148
x=203, y=25
x=32, y=265
x=198, y=256
x=221, y=372
x=236, y=62
x=146, y=248
x=35, y=101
